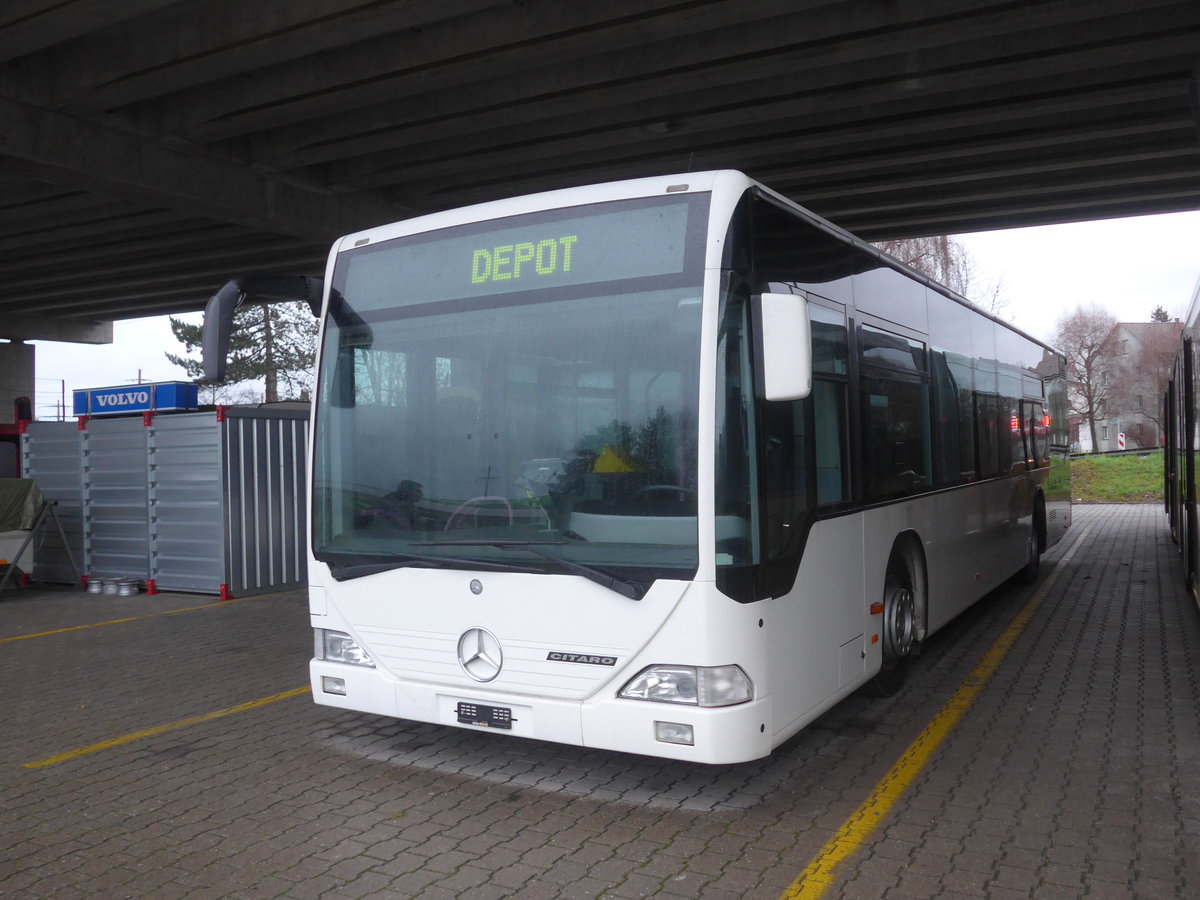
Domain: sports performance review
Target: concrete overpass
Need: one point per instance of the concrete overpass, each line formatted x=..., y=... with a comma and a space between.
x=151, y=148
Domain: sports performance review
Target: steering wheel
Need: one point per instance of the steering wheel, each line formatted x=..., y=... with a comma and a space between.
x=645, y=496
x=460, y=512
x=665, y=487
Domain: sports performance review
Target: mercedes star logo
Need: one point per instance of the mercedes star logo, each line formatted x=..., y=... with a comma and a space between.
x=480, y=654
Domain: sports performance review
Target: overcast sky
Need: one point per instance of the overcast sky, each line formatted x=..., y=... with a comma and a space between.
x=1129, y=266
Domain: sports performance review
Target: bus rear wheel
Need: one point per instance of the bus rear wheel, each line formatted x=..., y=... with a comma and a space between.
x=899, y=627
x=1037, y=542
x=1033, y=560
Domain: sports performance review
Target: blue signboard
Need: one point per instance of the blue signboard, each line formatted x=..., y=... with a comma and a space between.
x=131, y=399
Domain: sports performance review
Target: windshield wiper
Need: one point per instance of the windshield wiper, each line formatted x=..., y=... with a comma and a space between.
x=632, y=589
x=361, y=570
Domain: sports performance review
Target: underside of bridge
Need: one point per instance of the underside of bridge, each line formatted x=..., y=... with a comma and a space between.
x=151, y=149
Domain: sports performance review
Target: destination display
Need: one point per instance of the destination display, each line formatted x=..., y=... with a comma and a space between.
x=619, y=241
x=547, y=257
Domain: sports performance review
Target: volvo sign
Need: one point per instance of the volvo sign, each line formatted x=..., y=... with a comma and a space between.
x=130, y=399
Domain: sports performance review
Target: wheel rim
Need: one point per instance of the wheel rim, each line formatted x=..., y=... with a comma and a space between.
x=899, y=622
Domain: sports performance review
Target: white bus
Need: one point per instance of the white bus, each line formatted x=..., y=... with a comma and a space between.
x=666, y=466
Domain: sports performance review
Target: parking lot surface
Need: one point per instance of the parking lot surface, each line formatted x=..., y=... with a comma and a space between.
x=166, y=746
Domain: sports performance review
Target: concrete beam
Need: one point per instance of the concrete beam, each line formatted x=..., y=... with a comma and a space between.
x=69, y=331
x=29, y=25
x=391, y=141
x=459, y=51
x=225, y=39
x=603, y=47
x=107, y=161
x=80, y=278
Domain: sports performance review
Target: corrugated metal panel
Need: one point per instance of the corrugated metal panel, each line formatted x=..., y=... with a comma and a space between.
x=116, y=498
x=264, y=496
x=51, y=455
x=186, y=526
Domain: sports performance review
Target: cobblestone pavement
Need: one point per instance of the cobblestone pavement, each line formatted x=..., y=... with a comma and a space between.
x=1075, y=774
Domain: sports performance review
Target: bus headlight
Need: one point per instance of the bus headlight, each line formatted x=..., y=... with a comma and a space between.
x=693, y=685
x=337, y=646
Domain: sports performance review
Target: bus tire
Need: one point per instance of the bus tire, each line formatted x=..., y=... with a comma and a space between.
x=899, y=627
x=1037, y=541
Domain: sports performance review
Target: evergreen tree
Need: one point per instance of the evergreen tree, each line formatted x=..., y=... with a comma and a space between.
x=1160, y=315
x=274, y=342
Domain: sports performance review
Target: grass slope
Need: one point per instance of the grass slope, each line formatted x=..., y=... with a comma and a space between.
x=1118, y=479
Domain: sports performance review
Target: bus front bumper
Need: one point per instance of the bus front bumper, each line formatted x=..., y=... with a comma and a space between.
x=722, y=735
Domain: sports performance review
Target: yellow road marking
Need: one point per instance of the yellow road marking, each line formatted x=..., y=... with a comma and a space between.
x=163, y=729
x=170, y=612
x=818, y=876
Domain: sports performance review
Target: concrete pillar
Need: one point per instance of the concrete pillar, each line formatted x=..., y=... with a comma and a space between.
x=16, y=376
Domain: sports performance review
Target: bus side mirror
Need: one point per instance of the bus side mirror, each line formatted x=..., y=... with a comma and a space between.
x=219, y=311
x=218, y=326
x=784, y=346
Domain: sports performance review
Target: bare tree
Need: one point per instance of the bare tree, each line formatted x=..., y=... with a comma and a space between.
x=235, y=394
x=947, y=262
x=1086, y=336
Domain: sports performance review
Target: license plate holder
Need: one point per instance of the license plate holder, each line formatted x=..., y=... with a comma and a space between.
x=485, y=716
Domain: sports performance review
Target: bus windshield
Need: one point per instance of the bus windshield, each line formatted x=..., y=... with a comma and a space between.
x=516, y=393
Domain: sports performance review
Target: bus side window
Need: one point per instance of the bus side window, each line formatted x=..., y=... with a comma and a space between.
x=988, y=406
x=1008, y=433
x=784, y=476
x=1035, y=431
x=987, y=413
x=947, y=428
x=896, y=456
x=953, y=380
x=806, y=438
x=829, y=409
x=830, y=366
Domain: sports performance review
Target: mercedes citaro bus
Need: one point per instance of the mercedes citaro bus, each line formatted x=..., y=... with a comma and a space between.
x=666, y=466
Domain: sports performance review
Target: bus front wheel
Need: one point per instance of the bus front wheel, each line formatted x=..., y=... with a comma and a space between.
x=899, y=627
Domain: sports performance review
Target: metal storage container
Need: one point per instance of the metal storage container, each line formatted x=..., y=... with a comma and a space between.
x=211, y=502
x=59, y=453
